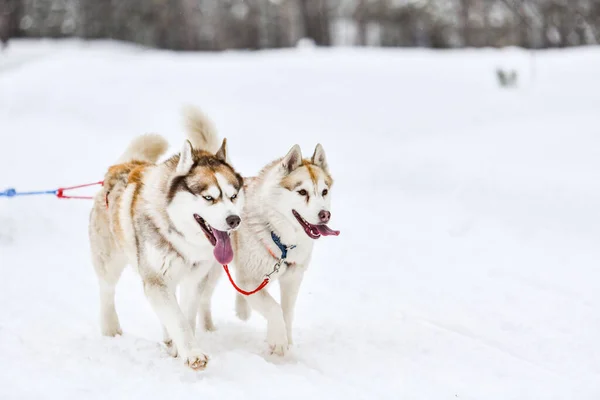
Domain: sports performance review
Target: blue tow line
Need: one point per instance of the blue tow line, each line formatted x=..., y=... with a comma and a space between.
x=60, y=192
x=12, y=192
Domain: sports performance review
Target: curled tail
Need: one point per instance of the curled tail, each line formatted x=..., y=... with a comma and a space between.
x=201, y=131
x=146, y=148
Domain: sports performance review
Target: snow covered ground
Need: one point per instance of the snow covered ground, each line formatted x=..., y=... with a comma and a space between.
x=467, y=267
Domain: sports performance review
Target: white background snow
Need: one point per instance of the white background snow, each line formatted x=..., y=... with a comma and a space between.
x=468, y=264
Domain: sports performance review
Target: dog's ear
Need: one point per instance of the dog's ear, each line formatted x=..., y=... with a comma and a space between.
x=292, y=160
x=221, y=154
x=319, y=158
x=186, y=159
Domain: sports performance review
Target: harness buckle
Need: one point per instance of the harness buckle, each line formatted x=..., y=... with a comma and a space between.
x=276, y=268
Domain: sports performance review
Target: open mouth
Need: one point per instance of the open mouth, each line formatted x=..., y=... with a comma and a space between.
x=314, y=231
x=219, y=239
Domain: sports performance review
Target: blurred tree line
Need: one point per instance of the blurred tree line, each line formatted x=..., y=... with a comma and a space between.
x=259, y=24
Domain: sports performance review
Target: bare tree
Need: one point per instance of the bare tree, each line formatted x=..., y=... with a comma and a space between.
x=258, y=24
x=5, y=22
x=316, y=21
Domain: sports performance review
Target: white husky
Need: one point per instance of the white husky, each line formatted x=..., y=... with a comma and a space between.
x=287, y=207
x=171, y=221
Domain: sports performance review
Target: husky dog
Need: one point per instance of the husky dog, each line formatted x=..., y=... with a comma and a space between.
x=172, y=222
x=287, y=207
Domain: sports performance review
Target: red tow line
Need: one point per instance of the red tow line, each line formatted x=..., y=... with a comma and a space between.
x=265, y=282
x=60, y=191
x=262, y=285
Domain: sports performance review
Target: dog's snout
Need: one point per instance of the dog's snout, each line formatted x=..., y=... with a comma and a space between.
x=324, y=216
x=233, y=221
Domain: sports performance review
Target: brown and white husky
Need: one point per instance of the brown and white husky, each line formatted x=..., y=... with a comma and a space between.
x=171, y=221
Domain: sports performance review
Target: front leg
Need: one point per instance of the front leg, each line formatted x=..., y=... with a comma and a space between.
x=196, y=295
x=188, y=299
x=206, y=290
x=266, y=305
x=289, y=285
x=164, y=302
x=171, y=349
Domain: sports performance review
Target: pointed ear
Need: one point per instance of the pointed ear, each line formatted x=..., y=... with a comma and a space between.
x=292, y=160
x=221, y=154
x=319, y=158
x=186, y=159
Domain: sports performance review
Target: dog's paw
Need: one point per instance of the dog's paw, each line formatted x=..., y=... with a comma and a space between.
x=171, y=348
x=278, y=344
x=210, y=327
x=112, y=331
x=197, y=360
x=279, y=349
x=109, y=323
x=207, y=325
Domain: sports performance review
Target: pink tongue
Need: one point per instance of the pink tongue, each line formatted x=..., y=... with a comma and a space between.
x=223, y=251
x=325, y=231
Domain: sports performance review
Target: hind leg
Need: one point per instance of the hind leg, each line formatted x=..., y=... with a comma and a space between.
x=108, y=276
x=108, y=262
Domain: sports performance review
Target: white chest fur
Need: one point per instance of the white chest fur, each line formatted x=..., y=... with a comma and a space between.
x=174, y=265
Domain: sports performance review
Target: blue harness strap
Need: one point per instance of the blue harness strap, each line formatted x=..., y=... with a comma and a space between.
x=284, y=249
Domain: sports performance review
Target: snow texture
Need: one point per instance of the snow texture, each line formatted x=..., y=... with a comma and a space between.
x=467, y=267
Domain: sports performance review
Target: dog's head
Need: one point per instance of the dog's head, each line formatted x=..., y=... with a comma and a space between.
x=205, y=198
x=305, y=196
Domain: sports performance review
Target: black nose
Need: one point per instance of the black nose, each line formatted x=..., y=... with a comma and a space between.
x=233, y=221
x=324, y=216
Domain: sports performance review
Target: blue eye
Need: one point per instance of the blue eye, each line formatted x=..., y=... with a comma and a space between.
x=234, y=197
x=208, y=198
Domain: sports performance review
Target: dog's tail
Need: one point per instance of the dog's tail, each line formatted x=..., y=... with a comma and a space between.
x=147, y=148
x=242, y=308
x=201, y=131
